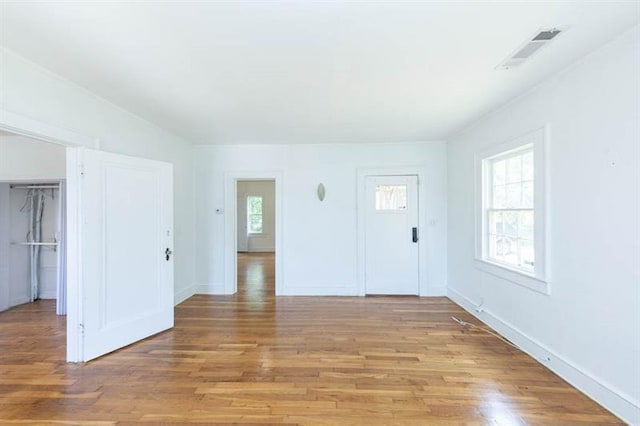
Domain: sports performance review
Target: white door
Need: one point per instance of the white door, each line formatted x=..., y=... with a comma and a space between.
x=126, y=284
x=391, y=235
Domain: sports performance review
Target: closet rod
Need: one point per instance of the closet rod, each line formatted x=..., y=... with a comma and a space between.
x=25, y=186
x=35, y=244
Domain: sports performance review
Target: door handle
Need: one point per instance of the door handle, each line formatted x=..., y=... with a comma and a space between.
x=414, y=234
x=167, y=254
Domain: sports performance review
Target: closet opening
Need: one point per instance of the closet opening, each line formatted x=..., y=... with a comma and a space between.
x=32, y=223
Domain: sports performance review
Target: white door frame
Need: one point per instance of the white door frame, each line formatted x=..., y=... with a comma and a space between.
x=74, y=142
x=423, y=231
x=231, y=226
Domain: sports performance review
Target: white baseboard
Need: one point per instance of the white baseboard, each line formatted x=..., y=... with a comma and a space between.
x=47, y=295
x=604, y=394
x=183, y=295
x=19, y=301
x=298, y=290
x=210, y=288
x=436, y=291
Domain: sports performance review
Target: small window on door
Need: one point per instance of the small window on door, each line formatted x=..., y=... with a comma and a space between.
x=254, y=214
x=391, y=197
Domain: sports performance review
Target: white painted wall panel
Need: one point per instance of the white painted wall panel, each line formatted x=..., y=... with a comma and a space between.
x=23, y=158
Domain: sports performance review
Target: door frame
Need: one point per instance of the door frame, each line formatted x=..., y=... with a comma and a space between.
x=231, y=226
x=423, y=231
x=74, y=142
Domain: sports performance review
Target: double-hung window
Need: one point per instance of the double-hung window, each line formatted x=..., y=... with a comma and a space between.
x=510, y=230
x=510, y=209
x=254, y=214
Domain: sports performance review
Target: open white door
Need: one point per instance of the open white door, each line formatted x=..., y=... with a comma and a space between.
x=125, y=281
x=391, y=235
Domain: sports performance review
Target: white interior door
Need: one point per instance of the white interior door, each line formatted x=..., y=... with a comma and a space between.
x=391, y=235
x=126, y=284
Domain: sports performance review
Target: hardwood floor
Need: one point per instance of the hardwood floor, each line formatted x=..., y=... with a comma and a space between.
x=254, y=358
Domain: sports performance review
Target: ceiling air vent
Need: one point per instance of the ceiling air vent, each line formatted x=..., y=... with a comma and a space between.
x=527, y=49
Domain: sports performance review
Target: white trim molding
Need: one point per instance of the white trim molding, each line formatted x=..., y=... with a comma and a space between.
x=211, y=288
x=603, y=393
x=183, y=295
x=26, y=126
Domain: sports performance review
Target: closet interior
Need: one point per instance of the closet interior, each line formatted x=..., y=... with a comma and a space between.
x=32, y=222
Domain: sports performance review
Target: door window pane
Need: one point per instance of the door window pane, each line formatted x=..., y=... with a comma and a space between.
x=391, y=197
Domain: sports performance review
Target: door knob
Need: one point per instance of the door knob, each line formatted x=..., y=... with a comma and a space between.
x=414, y=234
x=168, y=253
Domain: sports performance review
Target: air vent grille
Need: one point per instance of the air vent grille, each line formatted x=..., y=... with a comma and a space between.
x=546, y=35
x=527, y=49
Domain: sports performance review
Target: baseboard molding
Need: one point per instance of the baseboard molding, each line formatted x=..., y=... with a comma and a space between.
x=298, y=290
x=436, y=291
x=183, y=295
x=19, y=301
x=210, y=288
x=604, y=394
x=47, y=295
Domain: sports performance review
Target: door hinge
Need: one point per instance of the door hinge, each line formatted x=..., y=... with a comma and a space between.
x=81, y=169
x=81, y=327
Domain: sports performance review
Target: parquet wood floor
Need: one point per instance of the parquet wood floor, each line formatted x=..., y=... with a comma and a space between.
x=254, y=358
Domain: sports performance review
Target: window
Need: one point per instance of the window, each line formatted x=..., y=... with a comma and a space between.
x=510, y=222
x=254, y=214
x=391, y=197
x=510, y=208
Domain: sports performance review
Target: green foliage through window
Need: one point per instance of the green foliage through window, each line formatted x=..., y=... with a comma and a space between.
x=254, y=214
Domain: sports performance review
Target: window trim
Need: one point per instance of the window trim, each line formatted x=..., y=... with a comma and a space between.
x=249, y=215
x=538, y=280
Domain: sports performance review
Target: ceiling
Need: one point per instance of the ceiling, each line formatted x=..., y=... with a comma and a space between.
x=302, y=71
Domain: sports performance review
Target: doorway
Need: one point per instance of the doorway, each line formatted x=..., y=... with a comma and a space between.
x=233, y=226
x=391, y=235
x=32, y=222
x=256, y=238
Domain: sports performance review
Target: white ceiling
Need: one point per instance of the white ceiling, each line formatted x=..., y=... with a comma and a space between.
x=306, y=72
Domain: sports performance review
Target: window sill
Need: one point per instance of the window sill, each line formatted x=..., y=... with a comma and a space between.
x=517, y=277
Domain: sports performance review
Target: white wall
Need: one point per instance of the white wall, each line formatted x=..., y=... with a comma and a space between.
x=33, y=92
x=266, y=241
x=319, y=238
x=589, y=327
x=23, y=158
